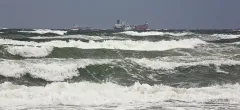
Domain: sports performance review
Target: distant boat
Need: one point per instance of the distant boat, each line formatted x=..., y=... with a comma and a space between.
x=142, y=27
x=124, y=26
x=77, y=27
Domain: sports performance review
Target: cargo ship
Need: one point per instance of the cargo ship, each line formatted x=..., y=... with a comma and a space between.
x=77, y=27
x=124, y=26
x=141, y=27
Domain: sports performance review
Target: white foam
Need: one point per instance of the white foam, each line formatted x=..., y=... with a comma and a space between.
x=155, y=33
x=161, y=64
x=44, y=31
x=49, y=69
x=60, y=69
x=1, y=32
x=30, y=51
x=79, y=37
x=114, y=44
x=92, y=94
x=225, y=36
x=75, y=29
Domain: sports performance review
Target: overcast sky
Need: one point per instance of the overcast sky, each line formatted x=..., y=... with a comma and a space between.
x=174, y=14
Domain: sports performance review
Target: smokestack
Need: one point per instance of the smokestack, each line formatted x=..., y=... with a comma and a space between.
x=118, y=21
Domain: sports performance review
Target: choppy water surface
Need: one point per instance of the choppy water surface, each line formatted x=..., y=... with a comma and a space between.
x=152, y=70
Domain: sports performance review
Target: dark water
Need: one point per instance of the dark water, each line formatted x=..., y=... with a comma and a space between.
x=104, y=69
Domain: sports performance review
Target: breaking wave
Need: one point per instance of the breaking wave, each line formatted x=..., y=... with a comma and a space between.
x=116, y=70
x=29, y=51
x=112, y=96
x=50, y=70
x=80, y=37
x=225, y=36
x=113, y=44
x=106, y=69
x=45, y=31
x=155, y=33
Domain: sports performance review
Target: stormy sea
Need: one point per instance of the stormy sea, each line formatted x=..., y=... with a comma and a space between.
x=50, y=69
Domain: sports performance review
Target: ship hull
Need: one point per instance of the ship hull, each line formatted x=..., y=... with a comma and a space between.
x=141, y=27
x=123, y=26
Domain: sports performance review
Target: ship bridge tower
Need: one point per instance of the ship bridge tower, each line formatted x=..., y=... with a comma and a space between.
x=118, y=21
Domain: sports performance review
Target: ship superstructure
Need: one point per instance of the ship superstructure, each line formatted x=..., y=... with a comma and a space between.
x=121, y=25
x=124, y=26
x=77, y=27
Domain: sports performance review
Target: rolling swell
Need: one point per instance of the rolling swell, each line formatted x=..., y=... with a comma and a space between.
x=200, y=76
x=102, y=45
x=226, y=40
x=106, y=49
x=77, y=53
x=23, y=52
x=127, y=70
x=126, y=73
x=121, y=46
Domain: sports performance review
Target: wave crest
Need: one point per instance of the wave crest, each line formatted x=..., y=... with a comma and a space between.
x=100, y=95
x=30, y=51
x=155, y=33
x=45, y=31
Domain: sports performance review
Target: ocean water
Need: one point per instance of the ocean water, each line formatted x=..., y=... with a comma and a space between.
x=45, y=69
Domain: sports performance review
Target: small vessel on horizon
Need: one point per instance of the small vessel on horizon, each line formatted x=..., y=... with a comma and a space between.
x=142, y=27
x=77, y=27
x=124, y=26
